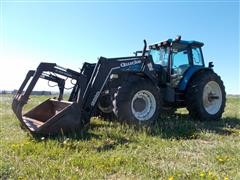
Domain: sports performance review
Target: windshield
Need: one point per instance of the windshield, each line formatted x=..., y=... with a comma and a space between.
x=160, y=56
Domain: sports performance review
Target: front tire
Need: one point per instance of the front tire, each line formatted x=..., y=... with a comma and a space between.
x=206, y=96
x=137, y=102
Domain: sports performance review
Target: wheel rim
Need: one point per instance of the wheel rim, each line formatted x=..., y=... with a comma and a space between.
x=212, y=97
x=143, y=105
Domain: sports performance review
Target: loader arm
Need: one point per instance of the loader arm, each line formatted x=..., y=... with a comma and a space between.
x=21, y=98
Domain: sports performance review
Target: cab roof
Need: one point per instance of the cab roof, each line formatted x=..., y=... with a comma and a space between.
x=176, y=43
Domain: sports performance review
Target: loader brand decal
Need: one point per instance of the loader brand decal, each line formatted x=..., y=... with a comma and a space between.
x=95, y=98
x=124, y=64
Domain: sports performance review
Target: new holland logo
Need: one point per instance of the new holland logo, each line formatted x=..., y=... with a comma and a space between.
x=124, y=64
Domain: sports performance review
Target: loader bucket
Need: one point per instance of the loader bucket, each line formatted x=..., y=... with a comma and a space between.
x=53, y=116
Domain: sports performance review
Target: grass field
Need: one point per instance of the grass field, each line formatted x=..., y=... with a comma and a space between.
x=177, y=148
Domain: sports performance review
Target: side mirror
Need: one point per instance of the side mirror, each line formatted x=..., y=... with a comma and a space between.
x=210, y=65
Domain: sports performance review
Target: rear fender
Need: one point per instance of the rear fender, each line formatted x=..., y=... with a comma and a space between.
x=189, y=74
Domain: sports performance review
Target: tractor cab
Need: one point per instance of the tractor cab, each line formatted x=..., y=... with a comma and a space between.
x=176, y=57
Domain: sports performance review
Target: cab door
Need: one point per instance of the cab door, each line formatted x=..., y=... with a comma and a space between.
x=180, y=62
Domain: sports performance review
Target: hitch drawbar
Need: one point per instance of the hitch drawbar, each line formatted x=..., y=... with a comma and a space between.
x=54, y=115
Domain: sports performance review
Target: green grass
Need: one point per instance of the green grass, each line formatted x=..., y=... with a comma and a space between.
x=177, y=148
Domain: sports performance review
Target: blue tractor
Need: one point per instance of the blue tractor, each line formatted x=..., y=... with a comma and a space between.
x=137, y=89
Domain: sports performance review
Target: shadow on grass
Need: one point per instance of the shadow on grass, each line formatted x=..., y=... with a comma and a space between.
x=111, y=144
x=83, y=135
x=177, y=126
x=105, y=142
x=180, y=126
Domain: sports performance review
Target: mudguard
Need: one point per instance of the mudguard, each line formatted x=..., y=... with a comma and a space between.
x=189, y=74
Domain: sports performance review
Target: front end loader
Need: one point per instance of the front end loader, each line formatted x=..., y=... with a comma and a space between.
x=56, y=115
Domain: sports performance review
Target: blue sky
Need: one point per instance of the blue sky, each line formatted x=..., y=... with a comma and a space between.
x=71, y=32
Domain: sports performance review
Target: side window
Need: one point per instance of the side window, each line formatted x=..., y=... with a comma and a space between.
x=197, y=57
x=155, y=56
x=160, y=56
x=180, y=62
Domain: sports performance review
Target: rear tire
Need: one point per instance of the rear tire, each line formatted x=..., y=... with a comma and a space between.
x=206, y=96
x=137, y=102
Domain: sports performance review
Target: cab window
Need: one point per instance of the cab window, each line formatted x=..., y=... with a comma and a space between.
x=197, y=57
